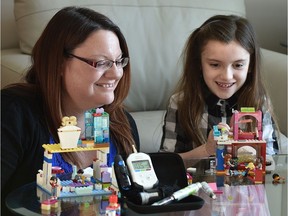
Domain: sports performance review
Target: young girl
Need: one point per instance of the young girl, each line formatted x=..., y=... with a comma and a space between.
x=221, y=72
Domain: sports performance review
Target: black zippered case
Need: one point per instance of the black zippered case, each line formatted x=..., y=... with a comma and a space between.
x=171, y=172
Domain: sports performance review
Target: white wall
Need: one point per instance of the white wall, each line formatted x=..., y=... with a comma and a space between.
x=269, y=19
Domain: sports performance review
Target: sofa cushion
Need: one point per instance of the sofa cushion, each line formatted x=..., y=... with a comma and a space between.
x=153, y=29
x=149, y=126
x=33, y=15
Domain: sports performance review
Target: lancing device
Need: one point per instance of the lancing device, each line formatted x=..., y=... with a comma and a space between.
x=180, y=194
x=208, y=190
x=121, y=173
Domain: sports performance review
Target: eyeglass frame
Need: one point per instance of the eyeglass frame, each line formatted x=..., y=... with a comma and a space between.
x=95, y=63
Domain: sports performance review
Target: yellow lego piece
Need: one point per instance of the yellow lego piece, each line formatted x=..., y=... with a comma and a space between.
x=54, y=205
x=55, y=148
x=106, y=185
x=45, y=206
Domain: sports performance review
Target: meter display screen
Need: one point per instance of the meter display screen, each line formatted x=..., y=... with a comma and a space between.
x=141, y=165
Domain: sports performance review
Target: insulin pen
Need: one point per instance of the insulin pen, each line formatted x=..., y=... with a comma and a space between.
x=180, y=194
x=189, y=190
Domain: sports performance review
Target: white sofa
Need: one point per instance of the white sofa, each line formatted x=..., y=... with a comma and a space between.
x=155, y=31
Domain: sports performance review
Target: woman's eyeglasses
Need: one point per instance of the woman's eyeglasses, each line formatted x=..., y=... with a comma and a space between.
x=103, y=65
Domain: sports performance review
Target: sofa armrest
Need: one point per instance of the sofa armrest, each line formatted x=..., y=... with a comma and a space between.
x=283, y=144
x=274, y=68
x=14, y=65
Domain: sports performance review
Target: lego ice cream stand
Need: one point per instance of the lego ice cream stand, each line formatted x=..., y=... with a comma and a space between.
x=97, y=129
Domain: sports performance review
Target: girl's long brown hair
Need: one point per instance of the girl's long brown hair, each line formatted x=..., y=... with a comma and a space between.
x=191, y=84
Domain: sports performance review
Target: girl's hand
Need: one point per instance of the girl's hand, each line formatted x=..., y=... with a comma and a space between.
x=211, y=142
x=223, y=125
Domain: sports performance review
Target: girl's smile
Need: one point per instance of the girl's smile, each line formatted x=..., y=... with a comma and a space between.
x=225, y=67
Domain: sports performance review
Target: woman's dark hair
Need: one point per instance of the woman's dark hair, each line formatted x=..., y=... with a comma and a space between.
x=67, y=29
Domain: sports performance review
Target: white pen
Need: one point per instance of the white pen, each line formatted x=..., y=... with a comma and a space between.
x=184, y=192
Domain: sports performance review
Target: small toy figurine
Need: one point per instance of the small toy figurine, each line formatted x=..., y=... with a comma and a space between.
x=113, y=209
x=54, y=185
x=228, y=163
x=79, y=178
x=69, y=133
x=189, y=178
x=249, y=167
x=277, y=179
x=224, y=133
x=258, y=163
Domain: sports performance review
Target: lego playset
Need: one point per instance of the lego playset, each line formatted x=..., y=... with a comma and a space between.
x=59, y=184
x=243, y=153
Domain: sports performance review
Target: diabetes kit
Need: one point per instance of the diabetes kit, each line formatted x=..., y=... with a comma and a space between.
x=156, y=183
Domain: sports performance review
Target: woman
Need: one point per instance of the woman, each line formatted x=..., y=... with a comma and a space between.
x=79, y=63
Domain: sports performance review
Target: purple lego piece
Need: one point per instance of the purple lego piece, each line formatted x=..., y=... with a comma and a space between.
x=105, y=176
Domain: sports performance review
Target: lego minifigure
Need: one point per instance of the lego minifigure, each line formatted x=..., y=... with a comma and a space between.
x=113, y=209
x=224, y=133
x=258, y=163
x=228, y=163
x=249, y=167
x=79, y=177
x=277, y=179
x=54, y=185
x=189, y=178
